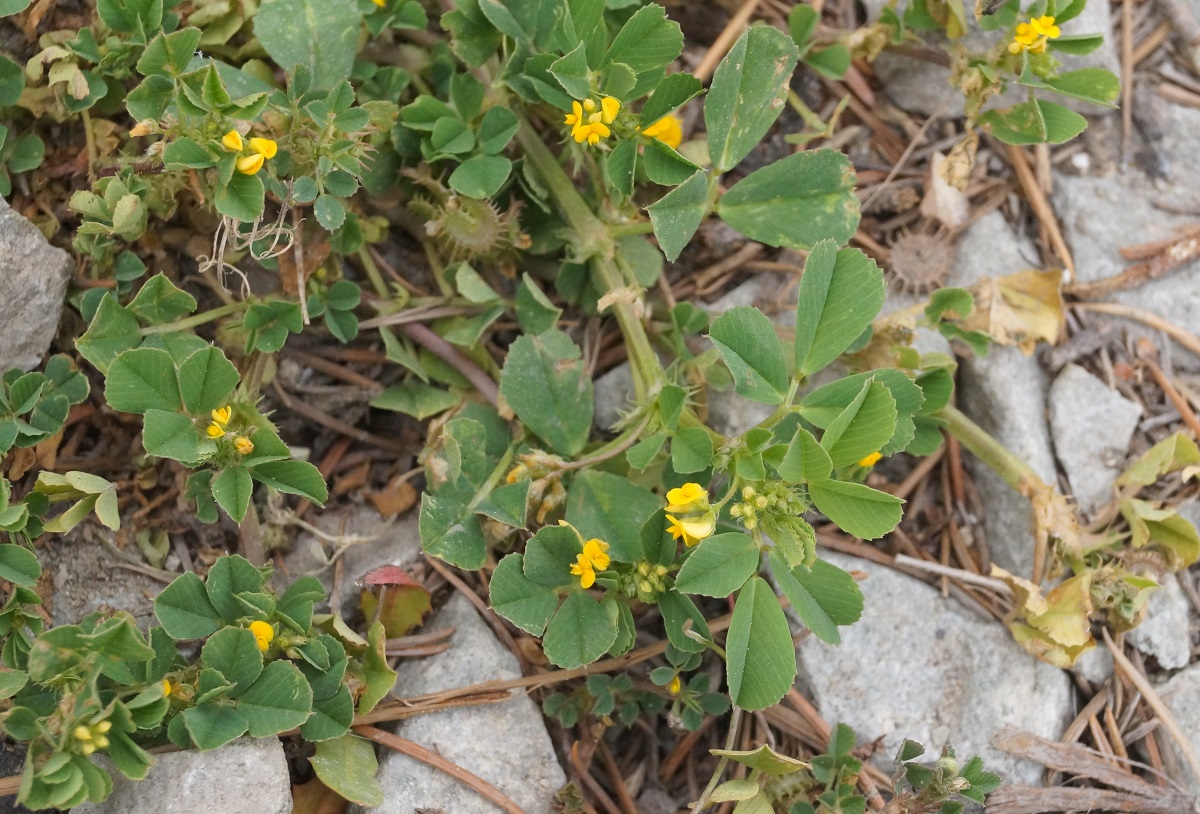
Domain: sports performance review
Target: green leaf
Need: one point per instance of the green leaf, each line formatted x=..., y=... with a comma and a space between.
x=1096, y=85
x=796, y=201
x=1077, y=44
x=331, y=717
x=677, y=215
x=802, y=24
x=142, y=379
x=1034, y=123
x=214, y=725
x=184, y=610
x=840, y=294
x=452, y=533
x=160, y=301
x=579, y=633
x=863, y=427
x=663, y=165
x=243, y=197
x=278, y=701
x=206, y=378
x=11, y=7
x=832, y=62
x=171, y=435
x=644, y=452
x=619, y=168
x=764, y=759
x=545, y=383
x=824, y=596
x=719, y=565
x=535, y=311
x=507, y=504
x=691, y=450
x=231, y=489
x=571, y=71
x=169, y=54
x=19, y=565
x=293, y=478
x=805, y=460
x=612, y=509
x=347, y=765
x=12, y=82
x=678, y=610
x=518, y=599
x=480, y=176
x=549, y=555
x=747, y=94
x=648, y=41
x=761, y=662
x=150, y=99
x=322, y=37
x=752, y=351
x=234, y=653
x=671, y=93
x=113, y=330
x=330, y=212
x=857, y=509
x=228, y=577
x=421, y=401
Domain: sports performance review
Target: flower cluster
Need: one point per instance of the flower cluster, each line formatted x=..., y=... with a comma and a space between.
x=1033, y=35
x=668, y=130
x=691, y=516
x=590, y=123
x=92, y=736
x=260, y=150
x=593, y=558
x=218, y=428
x=263, y=634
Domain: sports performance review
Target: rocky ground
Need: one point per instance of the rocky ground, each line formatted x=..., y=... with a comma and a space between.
x=923, y=663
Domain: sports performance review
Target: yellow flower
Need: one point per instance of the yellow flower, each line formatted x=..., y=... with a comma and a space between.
x=263, y=634
x=251, y=164
x=166, y=685
x=232, y=141
x=87, y=749
x=871, y=459
x=380, y=3
x=221, y=416
x=668, y=130
x=692, y=529
x=215, y=430
x=264, y=147
x=1033, y=35
x=593, y=558
x=674, y=686
x=575, y=117
x=609, y=108
x=687, y=498
x=243, y=445
x=100, y=742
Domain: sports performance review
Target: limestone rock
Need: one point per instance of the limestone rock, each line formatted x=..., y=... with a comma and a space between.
x=33, y=282
x=248, y=776
x=1166, y=633
x=505, y=744
x=1091, y=425
x=1182, y=696
x=923, y=667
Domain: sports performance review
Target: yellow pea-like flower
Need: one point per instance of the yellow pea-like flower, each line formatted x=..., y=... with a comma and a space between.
x=251, y=164
x=264, y=146
x=214, y=430
x=243, y=445
x=263, y=634
x=232, y=141
x=222, y=415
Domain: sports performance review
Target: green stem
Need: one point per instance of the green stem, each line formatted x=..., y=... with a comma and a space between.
x=372, y=270
x=988, y=449
x=730, y=742
x=594, y=241
x=637, y=227
x=195, y=320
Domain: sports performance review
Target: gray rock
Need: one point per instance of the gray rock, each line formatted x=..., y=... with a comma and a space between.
x=1100, y=215
x=248, y=776
x=1095, y=665
x=1165, y=633
x=1005, y=393
x=612, y=395
x=923, y=87
x=1181, y=694
x=922, y=667
x=88, y=578
x=33, y=282
x=505, y=744
x=367, y=541
x=1091, y=425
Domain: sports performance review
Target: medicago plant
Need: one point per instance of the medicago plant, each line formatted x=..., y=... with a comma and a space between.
x=529, y=150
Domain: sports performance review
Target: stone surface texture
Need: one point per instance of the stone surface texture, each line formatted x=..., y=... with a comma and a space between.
x=248, y=776
x=924, y=87
x=1166, y=633
x=1182, y=696
x=1005, y=393
x=505, y=744
x=923, y=667
x=1091, y=425
x=33, y=282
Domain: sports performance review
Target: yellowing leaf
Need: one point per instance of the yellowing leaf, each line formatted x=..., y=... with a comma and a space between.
x=1020, y=309
x=1054, y=627
x=1169, y=455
